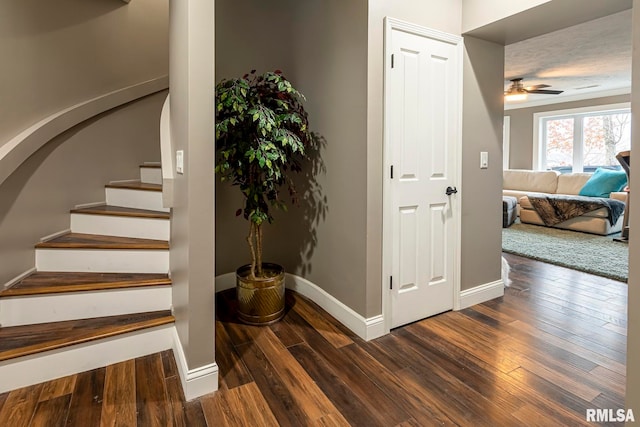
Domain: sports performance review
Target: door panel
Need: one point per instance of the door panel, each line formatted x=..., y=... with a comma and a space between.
x=422, y=137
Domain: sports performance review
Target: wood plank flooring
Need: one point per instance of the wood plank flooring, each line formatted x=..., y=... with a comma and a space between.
x=551, y=348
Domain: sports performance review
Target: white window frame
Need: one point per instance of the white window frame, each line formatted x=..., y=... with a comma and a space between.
x=539, y=148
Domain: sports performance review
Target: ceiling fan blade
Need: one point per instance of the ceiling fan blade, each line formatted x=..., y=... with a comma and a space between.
x=535, y=87
x=546, y=91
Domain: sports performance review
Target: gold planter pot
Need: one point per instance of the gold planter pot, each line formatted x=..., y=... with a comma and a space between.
x=260, y=301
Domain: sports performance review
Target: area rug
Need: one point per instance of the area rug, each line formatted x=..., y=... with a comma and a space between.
x=590, y=253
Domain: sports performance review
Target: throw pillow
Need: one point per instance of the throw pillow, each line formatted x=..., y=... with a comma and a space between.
x=603, y=182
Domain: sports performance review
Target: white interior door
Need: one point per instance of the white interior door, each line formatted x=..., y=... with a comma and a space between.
x=422, y=140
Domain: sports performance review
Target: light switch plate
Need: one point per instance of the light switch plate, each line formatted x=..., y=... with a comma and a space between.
x=484, y=160
x=180, y=161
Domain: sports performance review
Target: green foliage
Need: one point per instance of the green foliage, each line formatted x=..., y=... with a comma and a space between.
x=261, y=134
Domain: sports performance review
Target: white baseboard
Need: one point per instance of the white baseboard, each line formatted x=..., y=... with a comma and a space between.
x=90, y=205
x=226, y=281
x=55, y=235
x=18, y=278
x=37, y=368
x=481, y=293
x=366, y=329
x=195, y=382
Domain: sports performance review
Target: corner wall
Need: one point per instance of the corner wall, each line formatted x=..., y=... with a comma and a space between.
x=481, y=189
x=241, y=47
x=321, y=47
x=192, y=226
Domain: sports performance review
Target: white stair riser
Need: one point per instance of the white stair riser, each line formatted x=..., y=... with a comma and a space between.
x=26, y=310
x=122, y=226
x=28, y=370
x=138, y=199
x=105, y=261
x=151, y=175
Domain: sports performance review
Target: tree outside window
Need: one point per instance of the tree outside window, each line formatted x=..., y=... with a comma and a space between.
x=584, y=142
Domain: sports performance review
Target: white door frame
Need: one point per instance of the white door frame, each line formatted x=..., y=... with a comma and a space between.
x=391, y=24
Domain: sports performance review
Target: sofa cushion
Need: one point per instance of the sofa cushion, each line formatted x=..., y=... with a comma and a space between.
x=603, y=182
x=572, y=183
x=530, y=181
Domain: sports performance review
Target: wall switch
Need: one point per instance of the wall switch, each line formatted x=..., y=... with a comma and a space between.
x=484, y=160
x=180, y=161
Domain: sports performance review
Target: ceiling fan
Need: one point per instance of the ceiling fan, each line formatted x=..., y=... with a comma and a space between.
x=517, y=90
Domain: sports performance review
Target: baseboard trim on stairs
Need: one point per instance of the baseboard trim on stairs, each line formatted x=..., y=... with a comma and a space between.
x=90, y=205
x=195, y=382
x=366, y=328
x=37, y=368
x=481, y=293
x=55, y=235
x=17, y=279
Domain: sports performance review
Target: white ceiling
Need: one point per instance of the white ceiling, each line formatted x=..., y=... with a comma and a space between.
x=586, y=60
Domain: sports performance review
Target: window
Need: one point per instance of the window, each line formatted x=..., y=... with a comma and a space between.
x=581, y=140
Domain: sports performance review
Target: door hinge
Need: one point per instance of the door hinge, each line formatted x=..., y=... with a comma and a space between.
x=392, y=60
x=391, y=171
x=390, y=282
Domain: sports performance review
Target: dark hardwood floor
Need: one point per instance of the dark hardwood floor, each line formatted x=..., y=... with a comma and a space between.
x=551, y=348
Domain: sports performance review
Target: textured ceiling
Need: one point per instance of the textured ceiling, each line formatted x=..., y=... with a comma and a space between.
x=581, y=60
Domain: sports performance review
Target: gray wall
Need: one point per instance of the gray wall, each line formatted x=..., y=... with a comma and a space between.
x=521, y=135
x=481, y=189
x=323, y=238
x=238, y=52
x=330, y=67
x=73, y=169
x=59, y=53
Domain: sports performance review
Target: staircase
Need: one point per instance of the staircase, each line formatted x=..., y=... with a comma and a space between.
x=100, y=293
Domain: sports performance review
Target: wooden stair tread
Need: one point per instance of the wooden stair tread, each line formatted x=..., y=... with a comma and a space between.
x=135, y=185
x=47, y=282
x=121, y=211
x=18, y=341
x=95, y=241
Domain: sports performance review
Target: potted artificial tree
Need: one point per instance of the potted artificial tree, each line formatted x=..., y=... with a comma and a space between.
x=261, y=134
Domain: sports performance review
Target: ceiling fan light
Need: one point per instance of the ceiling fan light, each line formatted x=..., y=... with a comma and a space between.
x=517, y=96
